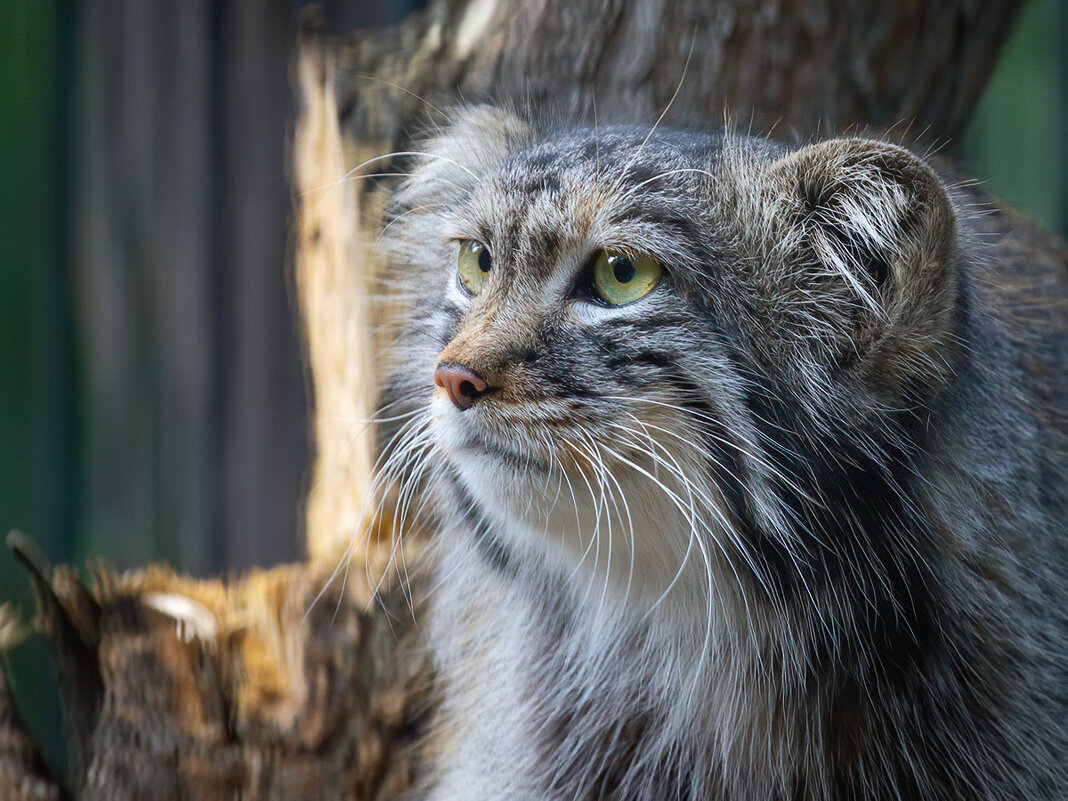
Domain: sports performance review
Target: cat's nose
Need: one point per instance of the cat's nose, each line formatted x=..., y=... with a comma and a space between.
x=464, y=385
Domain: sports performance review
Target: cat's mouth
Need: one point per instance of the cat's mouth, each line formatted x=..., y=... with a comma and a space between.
x=527, y=439
x=517, y=458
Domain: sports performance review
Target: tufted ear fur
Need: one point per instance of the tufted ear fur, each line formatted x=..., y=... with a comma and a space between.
x=476, y=140
x=869, y=232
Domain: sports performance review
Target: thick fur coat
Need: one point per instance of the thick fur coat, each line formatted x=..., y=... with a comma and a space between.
x=789, y=526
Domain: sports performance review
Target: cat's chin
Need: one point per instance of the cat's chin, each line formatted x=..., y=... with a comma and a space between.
x=626, y=536
x=497, y=459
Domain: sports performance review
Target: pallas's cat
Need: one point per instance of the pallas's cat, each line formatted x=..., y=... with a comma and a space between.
x=739, y=487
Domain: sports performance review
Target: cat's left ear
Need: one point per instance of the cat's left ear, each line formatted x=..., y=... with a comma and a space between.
x=873, y=224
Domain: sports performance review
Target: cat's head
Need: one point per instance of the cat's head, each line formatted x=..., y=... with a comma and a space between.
x=619, y=334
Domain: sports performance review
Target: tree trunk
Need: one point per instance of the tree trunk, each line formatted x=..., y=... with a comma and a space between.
x=222, y=689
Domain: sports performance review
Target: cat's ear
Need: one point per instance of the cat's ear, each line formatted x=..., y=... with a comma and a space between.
x=473, y=143
x=871, y=226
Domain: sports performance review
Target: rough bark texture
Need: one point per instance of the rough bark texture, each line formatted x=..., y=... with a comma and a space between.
x=23, y=774
x=257, y=688
x=822, y=65
x=224, y=689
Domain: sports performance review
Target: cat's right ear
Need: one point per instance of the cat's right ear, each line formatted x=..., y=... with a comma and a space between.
x=866, y=234
x=473, y=143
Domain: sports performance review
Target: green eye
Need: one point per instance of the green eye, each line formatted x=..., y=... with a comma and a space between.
x=621, y=279
x=474, y=264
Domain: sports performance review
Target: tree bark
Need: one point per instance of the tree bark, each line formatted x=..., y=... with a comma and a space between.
x=268, y=687
x=23, y=773
x=221, y=689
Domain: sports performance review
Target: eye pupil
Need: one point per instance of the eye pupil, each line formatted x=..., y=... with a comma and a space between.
x=473, y=265
x=615, y=279
x=622, y=269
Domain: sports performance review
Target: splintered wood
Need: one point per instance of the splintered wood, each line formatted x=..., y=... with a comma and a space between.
x=336, y=268
x=265, y=687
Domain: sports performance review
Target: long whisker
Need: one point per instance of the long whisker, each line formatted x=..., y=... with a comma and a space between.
x=406, y=91
x=667, y=108
x=353, y=172
x=379, y=476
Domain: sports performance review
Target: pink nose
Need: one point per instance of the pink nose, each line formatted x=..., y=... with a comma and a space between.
x=464, y=386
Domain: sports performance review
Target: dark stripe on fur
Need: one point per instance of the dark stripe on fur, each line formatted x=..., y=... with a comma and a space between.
x=494, y=552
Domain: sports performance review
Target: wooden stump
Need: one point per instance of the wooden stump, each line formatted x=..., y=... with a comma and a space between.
x=262, y=687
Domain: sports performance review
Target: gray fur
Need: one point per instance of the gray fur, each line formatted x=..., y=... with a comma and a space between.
x=785, y=528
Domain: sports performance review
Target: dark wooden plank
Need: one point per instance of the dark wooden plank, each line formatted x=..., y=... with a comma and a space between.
x=195, y=443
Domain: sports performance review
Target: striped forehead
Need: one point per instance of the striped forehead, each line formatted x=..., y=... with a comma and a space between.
x=565, y=194
x=538, y=211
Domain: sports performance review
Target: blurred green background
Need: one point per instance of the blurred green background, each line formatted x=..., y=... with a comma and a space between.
x=151, y=392
x=1017, y=139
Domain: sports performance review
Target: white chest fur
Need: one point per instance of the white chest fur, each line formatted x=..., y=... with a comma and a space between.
x=557, y=691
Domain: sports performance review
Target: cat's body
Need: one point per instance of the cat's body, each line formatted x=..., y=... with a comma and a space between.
x=786, y=526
